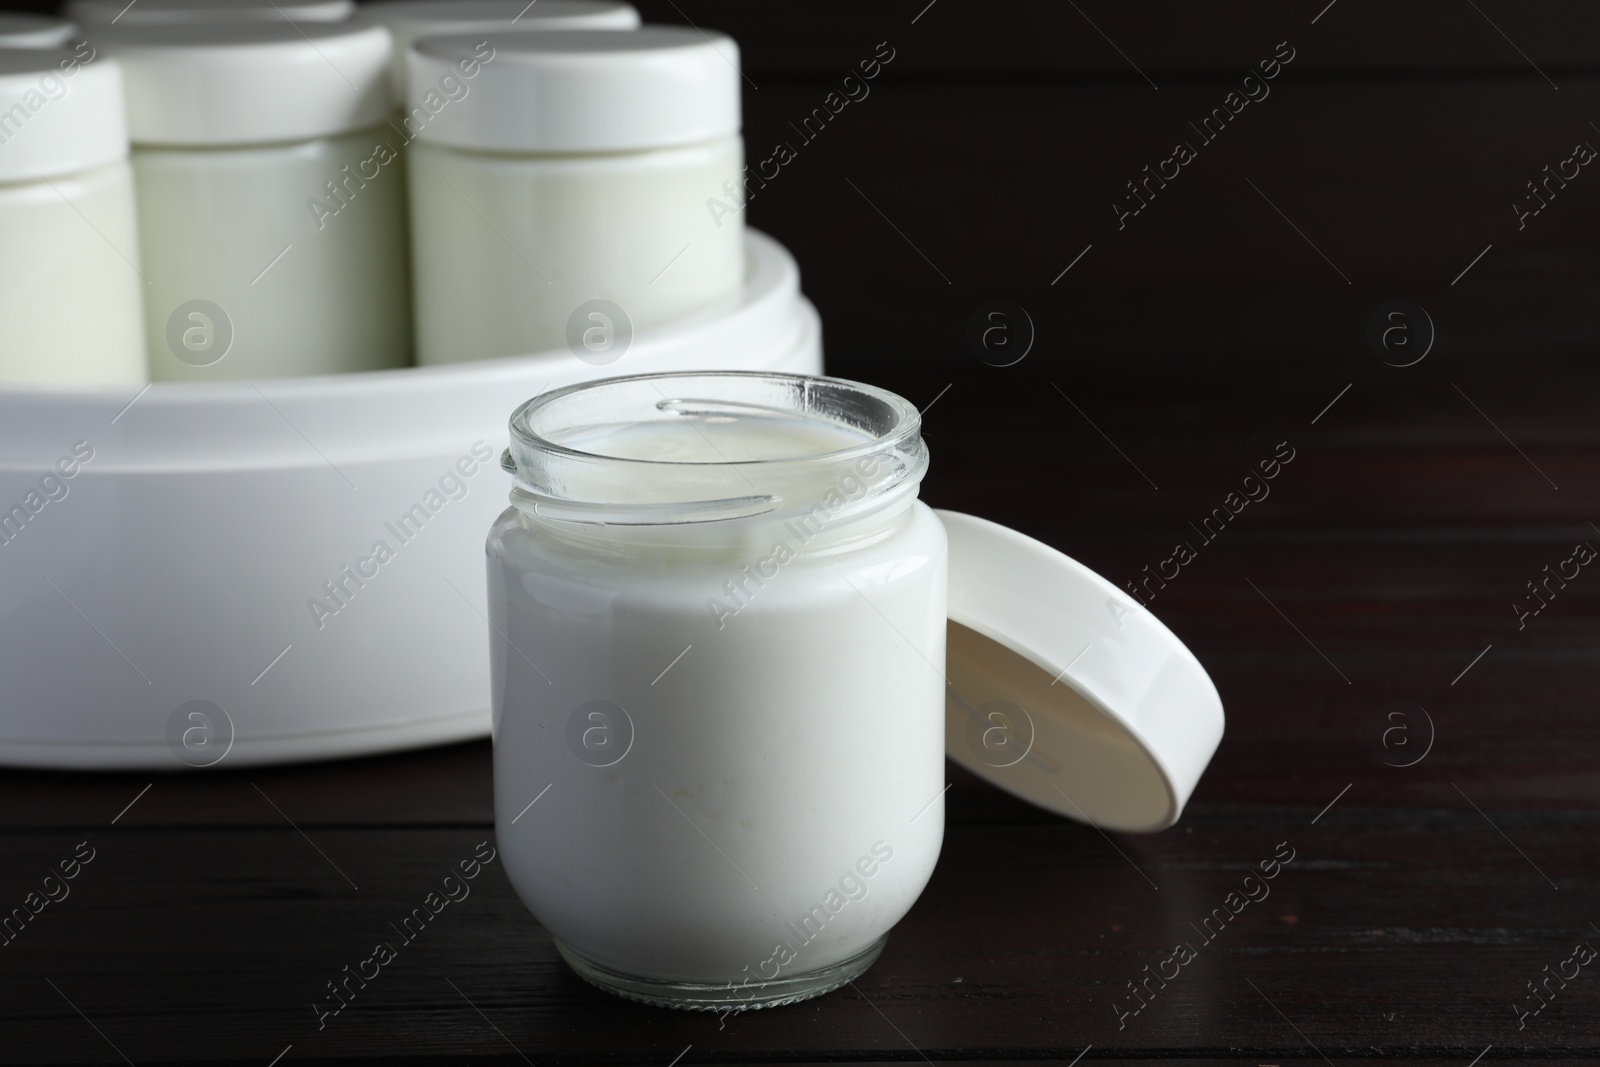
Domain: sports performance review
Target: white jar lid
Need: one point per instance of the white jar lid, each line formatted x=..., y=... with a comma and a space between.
x=143, y=12
x=53, y=122
x=1064, y=690
x=579, y=90
x=408, y=20
x=22, y=30
x=249, y=82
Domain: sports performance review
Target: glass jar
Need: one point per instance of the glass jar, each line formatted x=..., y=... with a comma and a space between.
x=717, y=643
x=553, y=173
x=271, y=209
x=70, y=288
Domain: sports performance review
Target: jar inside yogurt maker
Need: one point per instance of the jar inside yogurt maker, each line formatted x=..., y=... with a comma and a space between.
x=566, y=180
x=71, y=291
x=271, y=214
x=719, y=617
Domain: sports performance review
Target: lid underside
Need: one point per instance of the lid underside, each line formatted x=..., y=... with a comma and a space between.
x=1066, y=692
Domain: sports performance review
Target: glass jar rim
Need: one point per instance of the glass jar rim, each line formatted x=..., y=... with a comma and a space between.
x=560, y=480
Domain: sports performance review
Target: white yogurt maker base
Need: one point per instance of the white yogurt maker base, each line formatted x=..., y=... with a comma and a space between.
x=191, y=558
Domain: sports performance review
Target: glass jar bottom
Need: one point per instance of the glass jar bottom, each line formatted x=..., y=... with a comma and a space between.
x=727, y=996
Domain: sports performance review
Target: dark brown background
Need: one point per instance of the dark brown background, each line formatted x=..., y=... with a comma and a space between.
x=1195, y=339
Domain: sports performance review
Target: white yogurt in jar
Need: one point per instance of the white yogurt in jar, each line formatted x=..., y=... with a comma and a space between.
x=718, y=624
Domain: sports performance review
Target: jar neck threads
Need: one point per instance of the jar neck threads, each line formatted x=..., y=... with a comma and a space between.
x=706, y=448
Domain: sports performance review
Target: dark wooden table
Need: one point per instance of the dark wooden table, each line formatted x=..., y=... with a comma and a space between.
x=1439, y=872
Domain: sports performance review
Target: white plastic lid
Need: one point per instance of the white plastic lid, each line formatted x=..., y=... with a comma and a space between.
x=58, y=122
x=1065, y=691
x=578, y=91
x=22, y=30
x=95, y=13
x=250, y=82
x=408, y=20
